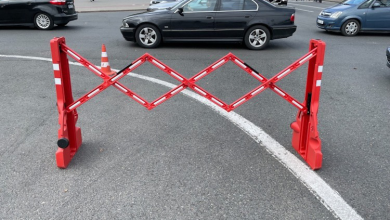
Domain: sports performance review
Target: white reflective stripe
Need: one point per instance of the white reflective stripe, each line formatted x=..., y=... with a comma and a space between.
x=57, y=81
x=196, y=78
x=95, y=70
x=318, y=83
x=56, y=67
x=123, y=89
x=239, y=102
x=105, y=64
x=310, y=55
x=116, y=77
x=197, y=89
x=104, y=54
x=257, y=75
x=135, y=64
x=74, y=55
x=218, y=102
x=177, y=76
x=320, y=68
x=219, y=63
x=257, y=91
x=160, y=100
x=176, y=90
x=239, y=63
x=93, y=93
x=74, y=105
x=284, y=73
x=297, y=104
x=158, y=64
x=280, y=92
x=136, y=97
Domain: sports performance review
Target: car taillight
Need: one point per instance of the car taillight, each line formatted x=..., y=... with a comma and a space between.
x=292, y=18
x=58, y=2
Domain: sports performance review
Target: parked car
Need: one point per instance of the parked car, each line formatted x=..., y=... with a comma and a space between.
x=42, y=14
x=163, y=5
x=254, y=22
x=354, y=16
x=388, y=56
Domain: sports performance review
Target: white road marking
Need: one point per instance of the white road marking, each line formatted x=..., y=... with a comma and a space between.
x=329, y=197
x=308, y=6
x=303, y=10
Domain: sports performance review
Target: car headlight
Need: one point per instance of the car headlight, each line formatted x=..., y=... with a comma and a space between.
x=125, y=23
x=336, y=14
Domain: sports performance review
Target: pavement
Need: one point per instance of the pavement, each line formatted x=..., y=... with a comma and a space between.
x=110, y=5
x=124, y=5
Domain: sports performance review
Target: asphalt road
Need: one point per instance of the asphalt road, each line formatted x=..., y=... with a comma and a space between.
x=183, y=160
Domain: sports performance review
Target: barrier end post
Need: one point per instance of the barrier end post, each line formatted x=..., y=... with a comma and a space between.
x=305, y=137
x=69, y=135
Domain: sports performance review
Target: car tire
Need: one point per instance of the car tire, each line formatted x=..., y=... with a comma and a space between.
x=257, y=37
x=350, y=28
x=63, y=24
x=43, y=21
x=148, y=36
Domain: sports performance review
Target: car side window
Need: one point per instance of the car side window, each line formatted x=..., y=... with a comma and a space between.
x=250, y=5
x=231, y=5
x=384, y=3
x=200, y=5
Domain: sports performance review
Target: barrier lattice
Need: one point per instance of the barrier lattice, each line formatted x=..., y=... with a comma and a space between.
x=305, y=138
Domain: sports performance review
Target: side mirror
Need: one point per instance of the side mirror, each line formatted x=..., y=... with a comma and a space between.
x=376, y=5
x=180, y=11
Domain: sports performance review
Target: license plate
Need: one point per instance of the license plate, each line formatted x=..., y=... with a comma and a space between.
x=320, y=21
x=70, y=6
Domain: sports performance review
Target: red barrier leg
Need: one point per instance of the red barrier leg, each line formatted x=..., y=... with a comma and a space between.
x=69, y=136
x=305, y=138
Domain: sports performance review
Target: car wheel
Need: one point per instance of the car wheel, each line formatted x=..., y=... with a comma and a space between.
x=63, y=24
x=350, y=28
x=43, y=21
x=148, y=36
x=257, y=37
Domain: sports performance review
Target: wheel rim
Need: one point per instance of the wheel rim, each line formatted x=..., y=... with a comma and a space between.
x=148, y=36
x=257, y=38
x=351, y=28
x=43, y=21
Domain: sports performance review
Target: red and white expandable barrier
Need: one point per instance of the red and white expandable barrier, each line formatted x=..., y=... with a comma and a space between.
x=305, y=138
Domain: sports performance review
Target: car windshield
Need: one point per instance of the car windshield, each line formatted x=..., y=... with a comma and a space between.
x=177, y=3
x=352, y=2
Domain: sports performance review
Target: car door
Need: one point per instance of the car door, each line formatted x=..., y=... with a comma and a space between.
x=233, y=16
x=378, y=17
x=195, y=22
x=20, y=11
x=4, y=16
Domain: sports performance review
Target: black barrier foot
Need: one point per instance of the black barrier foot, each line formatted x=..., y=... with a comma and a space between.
x=63, y=143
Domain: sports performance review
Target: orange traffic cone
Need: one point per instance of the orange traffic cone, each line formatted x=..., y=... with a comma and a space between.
x=105, y=65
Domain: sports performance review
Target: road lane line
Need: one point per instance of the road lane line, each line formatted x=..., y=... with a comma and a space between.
x=303, y=10
x=329, y=197
x=308, y=6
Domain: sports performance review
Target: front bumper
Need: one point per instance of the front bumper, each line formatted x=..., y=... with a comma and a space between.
x=128, y=33
x=328, y=24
